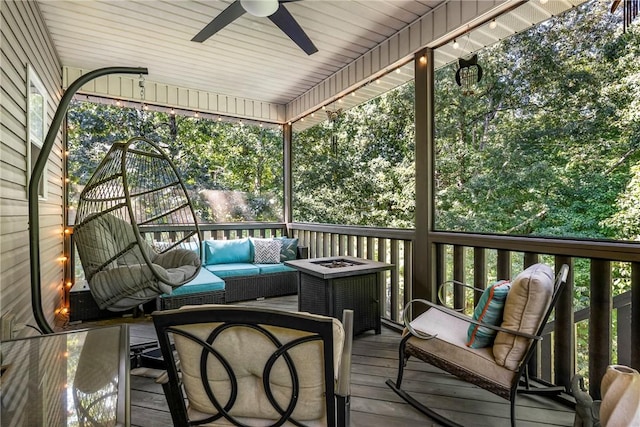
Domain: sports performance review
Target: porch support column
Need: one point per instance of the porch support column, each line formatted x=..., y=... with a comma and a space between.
x=286, y=160
x=424, y=259
x=599, y=324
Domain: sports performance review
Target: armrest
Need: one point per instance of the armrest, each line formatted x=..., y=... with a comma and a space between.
x=163, y=378
x=422, y=335
x=443, y=287
x=303, y=252
x=343, y=387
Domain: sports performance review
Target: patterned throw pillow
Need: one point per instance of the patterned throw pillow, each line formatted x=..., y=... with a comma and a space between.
x=289, y=251
x=489, y=310
x=266, y=251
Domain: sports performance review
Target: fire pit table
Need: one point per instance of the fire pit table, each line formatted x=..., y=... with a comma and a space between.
x=329, y=285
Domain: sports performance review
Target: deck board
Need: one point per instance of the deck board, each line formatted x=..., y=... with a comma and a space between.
x=373, y=404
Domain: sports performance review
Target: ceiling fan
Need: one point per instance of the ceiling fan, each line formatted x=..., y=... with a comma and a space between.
x=273, y=9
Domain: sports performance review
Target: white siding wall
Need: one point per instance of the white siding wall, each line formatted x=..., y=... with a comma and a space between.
x=25, y=40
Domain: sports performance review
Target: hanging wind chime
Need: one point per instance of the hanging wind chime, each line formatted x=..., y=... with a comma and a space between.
x=468, y=74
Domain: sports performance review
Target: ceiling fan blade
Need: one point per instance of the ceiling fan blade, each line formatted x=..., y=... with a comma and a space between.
x=283, y=19
x=227, y=16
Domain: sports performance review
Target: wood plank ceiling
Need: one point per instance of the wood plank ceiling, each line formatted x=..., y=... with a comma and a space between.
x=251, y=58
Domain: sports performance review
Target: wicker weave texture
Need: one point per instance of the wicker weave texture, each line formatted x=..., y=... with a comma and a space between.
x=330, y=297
x=260, y=286
x=211, y=297
x=459, y=371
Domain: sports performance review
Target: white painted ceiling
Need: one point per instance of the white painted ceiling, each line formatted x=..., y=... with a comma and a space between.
x=252, y=58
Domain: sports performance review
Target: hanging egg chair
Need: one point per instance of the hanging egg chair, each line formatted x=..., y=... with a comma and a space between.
x=135, y=189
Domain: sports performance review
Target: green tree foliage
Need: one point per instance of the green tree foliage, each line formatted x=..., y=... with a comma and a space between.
x=365, y=177
x=545, y=144
x=233, y=171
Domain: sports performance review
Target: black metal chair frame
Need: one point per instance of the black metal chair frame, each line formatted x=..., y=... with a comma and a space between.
x=522, y=376
x=168, y=323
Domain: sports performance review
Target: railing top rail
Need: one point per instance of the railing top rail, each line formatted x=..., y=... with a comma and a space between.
x=218, y=226
x=356, y=230
x=608, y=250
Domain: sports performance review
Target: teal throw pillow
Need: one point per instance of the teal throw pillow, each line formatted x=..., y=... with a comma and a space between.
x=289, y=251
x=489, y=310
x=227, y=251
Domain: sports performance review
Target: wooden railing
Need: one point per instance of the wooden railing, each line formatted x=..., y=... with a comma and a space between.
x=481, y=259
x=493, y=257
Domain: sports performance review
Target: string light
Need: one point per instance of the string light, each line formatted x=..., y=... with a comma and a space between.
x=456, y=45
x=423, y=59
x=493, y=24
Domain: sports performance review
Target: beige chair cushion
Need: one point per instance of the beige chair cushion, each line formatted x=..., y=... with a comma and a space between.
x=450, y=347
x=247, y=350
x=528, y=300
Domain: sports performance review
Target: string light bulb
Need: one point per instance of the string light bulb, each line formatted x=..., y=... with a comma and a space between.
x=456, y=45
x=493, y=24
x=423, y=59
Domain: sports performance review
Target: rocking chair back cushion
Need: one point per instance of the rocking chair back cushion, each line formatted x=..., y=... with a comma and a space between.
x=527, y=302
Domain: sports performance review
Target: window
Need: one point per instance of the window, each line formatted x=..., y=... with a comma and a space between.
x=36, y=125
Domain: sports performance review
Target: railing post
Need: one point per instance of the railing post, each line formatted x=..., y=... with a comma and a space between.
x=564, y=342
x=599, y=324
x=458, y=275
x=408, y=271
x=537, y=367
x=635, y=315
x=395, y=279
x=479, y=272
x=504, y=265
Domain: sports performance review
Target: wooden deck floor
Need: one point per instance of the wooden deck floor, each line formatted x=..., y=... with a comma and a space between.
x=373, y=404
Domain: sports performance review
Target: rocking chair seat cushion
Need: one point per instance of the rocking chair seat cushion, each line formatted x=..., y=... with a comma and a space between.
x=448, y=350
x=527, y=302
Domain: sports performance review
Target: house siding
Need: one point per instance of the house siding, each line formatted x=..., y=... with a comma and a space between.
x=26, y=41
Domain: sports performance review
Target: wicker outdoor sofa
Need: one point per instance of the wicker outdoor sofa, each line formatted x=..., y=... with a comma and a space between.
x=234, y=270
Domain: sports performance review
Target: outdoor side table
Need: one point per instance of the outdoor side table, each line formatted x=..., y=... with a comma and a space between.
x=327, y=286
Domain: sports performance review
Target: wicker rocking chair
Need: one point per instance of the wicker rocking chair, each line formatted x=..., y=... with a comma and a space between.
x=136, y=185
x=439, y=337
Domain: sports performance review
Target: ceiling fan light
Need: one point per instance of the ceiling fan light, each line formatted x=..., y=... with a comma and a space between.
x=260, y=7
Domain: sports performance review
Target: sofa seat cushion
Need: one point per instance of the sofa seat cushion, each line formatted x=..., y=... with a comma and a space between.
x=205, y=281
x=449, y=348
x=274, y=268
x=233, y=269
